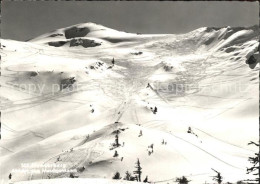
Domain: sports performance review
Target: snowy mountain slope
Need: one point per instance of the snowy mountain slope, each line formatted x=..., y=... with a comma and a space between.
x=78, y=180
x=60, y=102
x=88, y=35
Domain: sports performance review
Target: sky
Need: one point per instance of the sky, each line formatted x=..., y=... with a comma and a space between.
x=28, y=19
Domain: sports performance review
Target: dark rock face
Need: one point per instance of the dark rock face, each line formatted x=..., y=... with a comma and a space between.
x=33, y=74
x=167, y=68
x=76, y=32
x=137, y=53
x=116, y=40
x=83, y=42
x=57, y=44
x=65, y=83
x=251, y=60
x=210, y=29
x=209, y=41
x=230, y=49
x=55, y=35
x=76, y=42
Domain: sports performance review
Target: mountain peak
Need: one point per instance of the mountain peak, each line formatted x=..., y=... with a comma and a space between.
x=73, y=31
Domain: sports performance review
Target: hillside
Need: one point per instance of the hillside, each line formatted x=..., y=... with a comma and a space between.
x=79, y=181
x=65, y=96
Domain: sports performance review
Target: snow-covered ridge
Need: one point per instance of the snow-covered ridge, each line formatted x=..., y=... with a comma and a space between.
x=78, y=181
x=85, y=31
x=91, y=35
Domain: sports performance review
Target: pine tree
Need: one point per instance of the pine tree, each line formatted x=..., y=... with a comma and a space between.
x=138, y=171
x=116, y=176
x=136, y=178
x=182, y=180
x=72, y=175
x=116, y=143
x=146, y=179
x=218, y=178
x=255, y=168
x=127, y=176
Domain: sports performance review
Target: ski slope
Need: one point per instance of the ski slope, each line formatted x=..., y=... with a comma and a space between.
x=79, y=181
x=61, y=95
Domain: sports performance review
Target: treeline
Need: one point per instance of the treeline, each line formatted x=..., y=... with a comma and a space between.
x=217, y=178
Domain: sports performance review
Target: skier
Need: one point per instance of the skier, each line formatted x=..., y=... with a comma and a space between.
x=140, y=133
x=189, y=130
x=163, y=141
x=115, y=154
x=155, y=110
x=113, y=61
